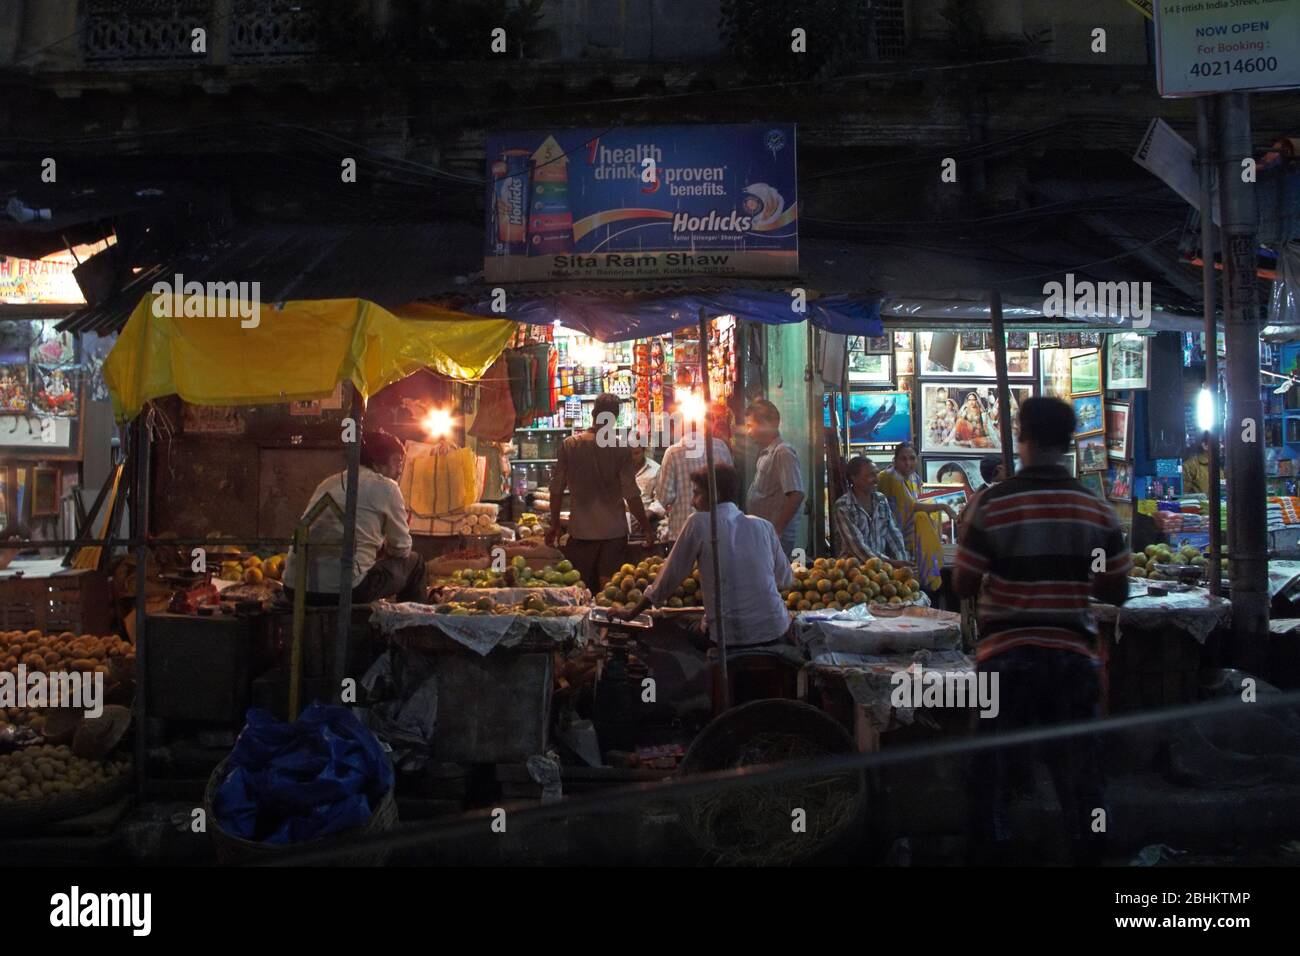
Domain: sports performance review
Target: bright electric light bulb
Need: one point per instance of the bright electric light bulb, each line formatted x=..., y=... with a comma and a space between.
x=1205, y=410
x=438, y=423
x=691, y=406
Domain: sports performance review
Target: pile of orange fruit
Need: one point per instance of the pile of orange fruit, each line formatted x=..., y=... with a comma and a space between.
x=837, y=583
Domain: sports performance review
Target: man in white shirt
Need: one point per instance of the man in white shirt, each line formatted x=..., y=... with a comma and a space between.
x=777, y=492
x=683, y=457
x=753, y=566
x=384, y=566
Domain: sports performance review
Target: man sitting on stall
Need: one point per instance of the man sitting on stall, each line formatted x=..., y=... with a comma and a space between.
x=864, y=521
x=753, y=566
x=383, y=566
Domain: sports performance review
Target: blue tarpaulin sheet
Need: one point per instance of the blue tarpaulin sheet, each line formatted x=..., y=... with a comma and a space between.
x=617, y=320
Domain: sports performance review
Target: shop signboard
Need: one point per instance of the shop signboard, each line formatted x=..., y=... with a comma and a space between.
x=1218, y=46
x=641, y=203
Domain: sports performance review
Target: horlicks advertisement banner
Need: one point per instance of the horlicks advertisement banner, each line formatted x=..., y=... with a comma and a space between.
x=641, y=203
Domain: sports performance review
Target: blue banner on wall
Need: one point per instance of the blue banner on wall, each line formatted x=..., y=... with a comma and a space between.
x=641, y=203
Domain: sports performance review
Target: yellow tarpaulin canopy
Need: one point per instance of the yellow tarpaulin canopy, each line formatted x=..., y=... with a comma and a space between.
x=296, y=351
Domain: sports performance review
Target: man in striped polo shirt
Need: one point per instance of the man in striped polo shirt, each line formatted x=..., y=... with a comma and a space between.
x=1036, y=549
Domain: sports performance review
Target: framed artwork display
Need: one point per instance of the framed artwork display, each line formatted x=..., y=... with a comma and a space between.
x=1088, y=417
x=46, y=492
x=878, y=345
x=962, y=417
x=1119, y=480
x=905, y=363
x=1127, y=361
x=1093, y=482
x=1091, y=452
x=1119, y=430
x=904, y=340
x=870, y=369
x=1085, y=373
x=879, y=417
x=974, y=364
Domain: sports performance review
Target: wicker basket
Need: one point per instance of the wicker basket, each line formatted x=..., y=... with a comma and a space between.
x=233, y=849
x=32, y=813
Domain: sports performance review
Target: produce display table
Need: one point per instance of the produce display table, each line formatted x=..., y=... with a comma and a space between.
x=869, y=680
x=1195, y=613
x=1159, y=666
x=479, y=686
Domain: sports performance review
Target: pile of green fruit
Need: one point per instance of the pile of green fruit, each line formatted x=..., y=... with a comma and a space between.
x=559, y=575
x=629, y=583
x=1145, y=561
x=473, y=578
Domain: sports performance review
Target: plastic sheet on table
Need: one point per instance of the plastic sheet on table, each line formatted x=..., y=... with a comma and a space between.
x=1195, y=612
x=481, y=633
x=859, y=631
x=869, y=679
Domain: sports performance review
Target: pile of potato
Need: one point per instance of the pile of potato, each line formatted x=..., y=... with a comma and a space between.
x=60, y=652
x=37, y=772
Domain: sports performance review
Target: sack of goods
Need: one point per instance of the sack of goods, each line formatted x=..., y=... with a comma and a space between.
x=439, y=480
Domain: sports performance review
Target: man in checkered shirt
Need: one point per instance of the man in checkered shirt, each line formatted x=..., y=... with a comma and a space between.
x=684, y=456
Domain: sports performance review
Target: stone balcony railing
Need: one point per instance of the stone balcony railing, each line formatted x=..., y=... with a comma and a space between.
x=133, y=34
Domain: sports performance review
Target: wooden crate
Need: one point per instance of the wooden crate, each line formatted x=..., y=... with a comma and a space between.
x=72, y=600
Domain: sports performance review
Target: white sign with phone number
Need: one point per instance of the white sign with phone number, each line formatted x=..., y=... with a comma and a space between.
x=1217, y=46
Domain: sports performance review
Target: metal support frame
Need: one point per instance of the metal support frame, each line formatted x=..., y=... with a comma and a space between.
x=346, y=559
x=1205, y=166
x=717, y=624
x=1004, y=390
x=1247, y=509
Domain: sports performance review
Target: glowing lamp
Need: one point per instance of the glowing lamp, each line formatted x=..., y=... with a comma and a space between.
x=438, y=423
x=691, y=406
x=1205, y=410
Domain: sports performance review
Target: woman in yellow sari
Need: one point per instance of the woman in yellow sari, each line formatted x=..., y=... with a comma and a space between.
x=902, y=486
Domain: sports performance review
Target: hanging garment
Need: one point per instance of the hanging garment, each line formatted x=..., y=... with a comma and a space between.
x=495, y=420
x=518, y=369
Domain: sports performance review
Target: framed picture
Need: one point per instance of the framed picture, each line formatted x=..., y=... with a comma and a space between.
x=1126, y=361
x=972, y=342
x=1055, y=373
x=55, y=391
x=905, y=363
x=46, y=492
x=1048, y=340
x=873, y=369
x=904, y=340
x=1119, y=429
x=1069, y=340
x=1090, y=340
x=1124, y=514
x=879, y=417
x=1119, y=480
x=1088, y=418
x=1092, y=481
x=953, y=472
x=1071, y=462
x=1091, y=452
x=953, y=498
x=1085, y=373
x=51, y=347
x=855, y=343
x=963, y=417
x=1017, y=341
x=974, y=364
x=878, y=345
x=15, y=392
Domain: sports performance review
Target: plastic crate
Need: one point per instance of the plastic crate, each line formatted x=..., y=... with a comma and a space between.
x=73, y=600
